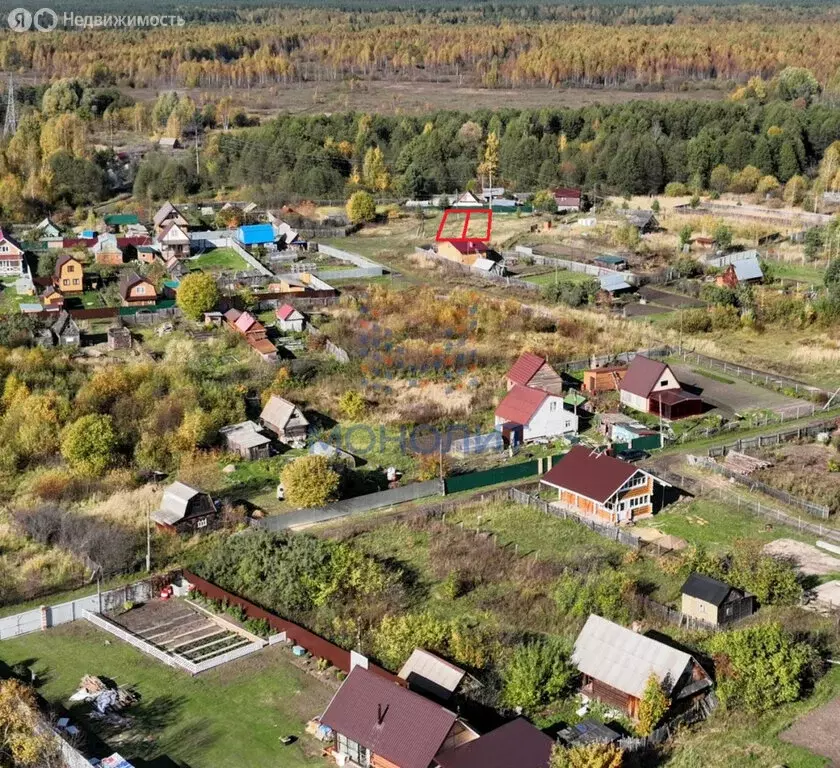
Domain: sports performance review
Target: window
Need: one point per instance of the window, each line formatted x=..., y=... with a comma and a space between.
x=65, y=282
x=356, y=752
x=70, y=268
x=141, y=289
x=552, y=406
x=201, y=523
x=663, y=383
x=75, y=281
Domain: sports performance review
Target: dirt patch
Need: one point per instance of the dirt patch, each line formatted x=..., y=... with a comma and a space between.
x=803, y=470
x=667, y=299
x=817, y=732
x=809, y=560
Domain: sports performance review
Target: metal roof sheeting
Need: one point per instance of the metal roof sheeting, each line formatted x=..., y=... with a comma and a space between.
x=520, y=404
x=517, y=743
x=613, y=283
x=525, y=368
x=748, y=269
x=624, y=659
x=427, y=667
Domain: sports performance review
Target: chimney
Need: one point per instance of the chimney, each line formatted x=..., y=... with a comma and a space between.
x=380, y=715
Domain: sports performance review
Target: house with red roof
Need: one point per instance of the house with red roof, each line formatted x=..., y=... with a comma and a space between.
x=465, y=252
x=597, y=485
x=527, y=413
x=531, y=370
x=245, y=324
x=567, y=199
x=650, y=386
x=377, y=722
x=289, y=318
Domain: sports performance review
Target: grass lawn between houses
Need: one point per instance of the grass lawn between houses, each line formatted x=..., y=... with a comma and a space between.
x=559, y=276
x=229, y=717
x=219, y=259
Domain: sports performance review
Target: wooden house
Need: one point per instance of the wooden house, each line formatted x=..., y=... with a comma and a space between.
x=742, y=272
x=12, y=256
x=465, y=252
x=597, y=485
x=714, y=601
x=606, y=379
x=47, y=229
x=168, y=214
x=184, y=509
x=254, y=332
x=107, y=251
x=650, y=386
x=65, y=330
x=246, y=439
x=285, y=420
x=137, y=291
x=52, y=298
x=531, y=370
x=119, y=337
x=536, y=413
x=616, y=663
x=68, y=275
x=644, y=221
x=173, y=242
x=376, y=722
x=568, y=199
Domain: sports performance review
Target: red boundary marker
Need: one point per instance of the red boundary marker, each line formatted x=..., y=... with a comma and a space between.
x=468, y=213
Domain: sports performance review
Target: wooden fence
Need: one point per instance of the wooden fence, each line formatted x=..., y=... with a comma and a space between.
x=786, y=435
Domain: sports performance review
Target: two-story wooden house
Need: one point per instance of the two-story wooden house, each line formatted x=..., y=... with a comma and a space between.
x=597, y=485
x=68, y=275
x=137, y=291
x=12, y=258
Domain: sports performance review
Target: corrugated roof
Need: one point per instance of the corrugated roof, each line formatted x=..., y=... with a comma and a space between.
x=674, y=396
x=389, y=720
x=246, y=434
x=520, y=404
x=588, y=473
x=517, y=744
x=286, y=311
x=642, y=375
x=176, y=498
x=256, y=234
x=525, y=368
x=279, y=412
x=624, y=659
x=748, y=269
x=613, y=283
x=706, y=588
x=431, y=673
x=166, y=210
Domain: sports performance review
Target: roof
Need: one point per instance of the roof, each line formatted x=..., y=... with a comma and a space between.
x=706, y=588
x=606, y=258
x=246, y=434
x=525, y=368
x=674, y=396
x=175, y=502
x=642, y=375
x=121, y=219
x=520, y=404
x=468, y=246
x=279, y=411
x=389, y=720
x=64, y=323
x=588, y=473
x=173, y=233
x=747, y=269
x=286, y=311
x=613, y=283
x=128, y=281
x=517, y=744
x=164, y=212
x=62, y=260
x=247, y=322
x=640, y=218
x=431, y=673
x=484, y=264
x=255, y=234
x=322, y=448
x=588, y=732
x=624, y=659
x=565, y=192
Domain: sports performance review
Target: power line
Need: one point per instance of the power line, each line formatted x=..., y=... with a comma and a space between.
x=10, y=125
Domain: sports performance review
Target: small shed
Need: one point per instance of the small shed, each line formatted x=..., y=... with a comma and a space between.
x=285, y=420
x=119, y=337
x=320, y=448
x=714, y=601
x=289, y=318
x=429, y=674
x=611, y=262
x=614, y=284
x=255, y=234
x=606, y=379
x=247, y=439
x=185, y=509
x=66, y=331
x=587, y=732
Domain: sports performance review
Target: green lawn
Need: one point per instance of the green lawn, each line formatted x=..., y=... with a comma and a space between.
x=230, y=717
x=559, y=276
x=219, y=259
x=790, y=271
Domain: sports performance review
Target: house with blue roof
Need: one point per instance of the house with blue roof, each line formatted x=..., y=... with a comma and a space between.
x=255, y=234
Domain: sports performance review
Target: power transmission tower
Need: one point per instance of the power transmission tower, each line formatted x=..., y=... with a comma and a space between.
x=10, y=126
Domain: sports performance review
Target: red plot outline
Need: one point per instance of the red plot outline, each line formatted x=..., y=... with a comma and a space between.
x=464, y=238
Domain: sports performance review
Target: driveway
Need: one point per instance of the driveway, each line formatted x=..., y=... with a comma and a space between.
x=736, y=397
x=817, y=732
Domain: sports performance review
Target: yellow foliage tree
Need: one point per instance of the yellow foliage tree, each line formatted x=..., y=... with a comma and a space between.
x=310, y=481
x=587, y=756
x=23, y=737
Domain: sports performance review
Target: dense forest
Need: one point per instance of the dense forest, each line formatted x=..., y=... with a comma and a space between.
x=653, y=47
x=638, y=147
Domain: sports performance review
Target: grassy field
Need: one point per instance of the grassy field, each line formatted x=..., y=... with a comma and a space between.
x=219, y=259
x=803, y=272
x=198, y=721
x=560, y=276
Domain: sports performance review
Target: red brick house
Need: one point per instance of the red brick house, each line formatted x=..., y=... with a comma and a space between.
x=597, y=485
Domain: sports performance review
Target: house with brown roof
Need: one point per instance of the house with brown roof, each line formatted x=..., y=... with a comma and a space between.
x=527, y=413
x=465, y=252
x=516, y=744
x=254, y=331
x=12, y=257
x=173, y=241
x=68, y=275
x=616, y=663
x=597, y=485
x=650, y=386
x=285, y=420
x=531, y=370
x=567, y=199
x=168, y=214
x=376, y=722
x=137, y=291
x=52, y=298
x=605, y=379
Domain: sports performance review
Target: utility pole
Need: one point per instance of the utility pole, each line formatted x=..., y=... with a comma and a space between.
x=148, y=538
x=10, y=125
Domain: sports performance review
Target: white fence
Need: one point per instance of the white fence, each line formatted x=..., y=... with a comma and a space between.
x=169, y=659
x=39, y=618
x=575, y=266
x=224, y=239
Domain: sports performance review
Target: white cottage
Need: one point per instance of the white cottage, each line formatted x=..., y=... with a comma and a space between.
x=539, y=413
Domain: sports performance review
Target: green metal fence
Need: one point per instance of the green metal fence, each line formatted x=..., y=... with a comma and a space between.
x=646, y=443
x=473, y=480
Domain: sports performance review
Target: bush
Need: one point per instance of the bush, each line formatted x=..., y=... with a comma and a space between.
x=398, y=636
x=259, y=627
x=88, y=444
x=236, y=611
x=676, y=189
x=352, y=405
x=310, y=481
x=653, y=706
x=537, y=673
x=691, y=321
x=761, y=667
x=587, y=756
x=361, y=207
